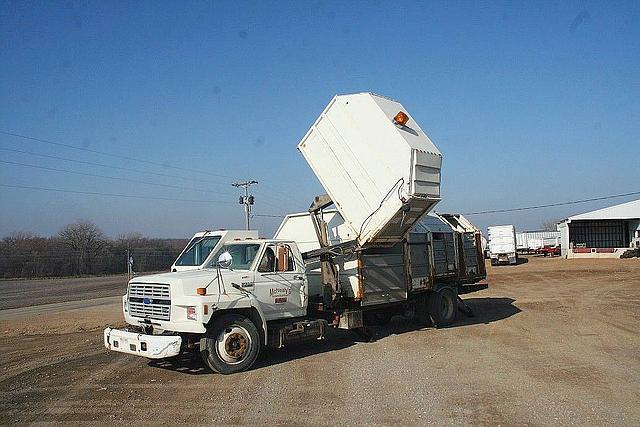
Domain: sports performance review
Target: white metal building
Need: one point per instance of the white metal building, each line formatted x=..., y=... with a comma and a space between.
x=604, y=233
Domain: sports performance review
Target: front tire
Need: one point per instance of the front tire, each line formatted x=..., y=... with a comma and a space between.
x=231, y=345
x=443, y=306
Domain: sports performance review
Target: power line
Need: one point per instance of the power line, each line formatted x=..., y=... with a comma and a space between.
x=575, y=202
x=112, y=177
x=276, y=193
x=117, y=156
x=48, y=156
x=129, y=196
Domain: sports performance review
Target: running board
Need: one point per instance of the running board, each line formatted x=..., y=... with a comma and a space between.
x=280, y=334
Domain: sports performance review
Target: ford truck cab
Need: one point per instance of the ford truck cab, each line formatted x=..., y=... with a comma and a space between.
x=224, y=307
x=198, y=252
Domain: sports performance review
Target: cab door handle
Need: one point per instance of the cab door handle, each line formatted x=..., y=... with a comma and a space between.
x=298, y=277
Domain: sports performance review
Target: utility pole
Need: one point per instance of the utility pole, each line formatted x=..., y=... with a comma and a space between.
x=130, y=272
x=247, y=200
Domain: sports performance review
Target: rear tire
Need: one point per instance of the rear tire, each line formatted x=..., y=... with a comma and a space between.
x=231, y=344
x=443, y=307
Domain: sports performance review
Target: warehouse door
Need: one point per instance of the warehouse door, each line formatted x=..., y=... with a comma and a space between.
x=598, y=234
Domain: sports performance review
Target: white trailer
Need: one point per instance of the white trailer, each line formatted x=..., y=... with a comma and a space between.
x=383, y=174
x=502, y=244
x=531, y=241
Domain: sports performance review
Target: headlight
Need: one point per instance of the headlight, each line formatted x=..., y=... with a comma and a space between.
x=125, y=305
x=191, y=313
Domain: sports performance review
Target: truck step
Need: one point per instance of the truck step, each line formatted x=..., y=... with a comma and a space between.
x=281, y=334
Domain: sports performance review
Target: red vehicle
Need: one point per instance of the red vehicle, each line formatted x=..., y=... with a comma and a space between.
x=550, y=251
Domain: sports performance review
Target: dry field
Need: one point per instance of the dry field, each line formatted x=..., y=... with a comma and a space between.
x=553, y=342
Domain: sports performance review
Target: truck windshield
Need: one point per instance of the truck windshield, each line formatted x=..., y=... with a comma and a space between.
x=242, y=254
x=198, y=250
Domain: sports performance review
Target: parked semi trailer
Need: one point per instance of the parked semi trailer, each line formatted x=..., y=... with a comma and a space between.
x=533, y=241
x=502, y=244
x=382, y=175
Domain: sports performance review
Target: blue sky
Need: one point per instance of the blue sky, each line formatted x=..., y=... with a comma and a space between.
x=529, y=102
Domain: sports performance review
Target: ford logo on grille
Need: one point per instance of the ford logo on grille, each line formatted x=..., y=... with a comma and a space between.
x=147, y=301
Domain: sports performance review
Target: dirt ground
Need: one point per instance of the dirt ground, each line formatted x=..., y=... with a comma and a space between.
x=553, y=342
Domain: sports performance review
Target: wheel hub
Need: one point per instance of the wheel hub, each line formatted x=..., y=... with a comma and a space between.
x=233, y=344
x=236, y=345
x=446, y=306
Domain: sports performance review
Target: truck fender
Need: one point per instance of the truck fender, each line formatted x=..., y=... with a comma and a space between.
x=256, y=304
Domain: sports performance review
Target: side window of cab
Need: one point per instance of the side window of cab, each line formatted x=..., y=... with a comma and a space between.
x=285, y=261
x=268, y=261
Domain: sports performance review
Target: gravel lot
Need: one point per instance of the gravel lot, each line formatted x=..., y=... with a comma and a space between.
x=553, y=342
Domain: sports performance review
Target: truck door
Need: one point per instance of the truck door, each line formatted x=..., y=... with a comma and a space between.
x=279, y=283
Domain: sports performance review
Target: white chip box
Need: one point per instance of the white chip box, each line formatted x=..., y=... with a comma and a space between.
x=382, y=176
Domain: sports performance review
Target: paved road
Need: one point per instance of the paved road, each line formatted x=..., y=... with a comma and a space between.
x=57, y=307
x=24, y=293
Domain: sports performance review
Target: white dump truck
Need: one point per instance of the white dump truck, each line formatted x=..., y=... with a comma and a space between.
x=361, y=263
x=502, y=244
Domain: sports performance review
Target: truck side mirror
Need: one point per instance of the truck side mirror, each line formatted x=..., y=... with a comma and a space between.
x=225, y=259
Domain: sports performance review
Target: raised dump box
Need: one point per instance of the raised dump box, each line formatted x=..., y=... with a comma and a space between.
x=375, y=162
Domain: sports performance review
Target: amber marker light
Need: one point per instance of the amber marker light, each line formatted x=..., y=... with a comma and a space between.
x=201, y=291
x=401, y=118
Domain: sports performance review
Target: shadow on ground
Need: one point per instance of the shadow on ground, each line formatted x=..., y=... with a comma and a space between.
x=485, y=311
x=191, y=363
x=521, y=260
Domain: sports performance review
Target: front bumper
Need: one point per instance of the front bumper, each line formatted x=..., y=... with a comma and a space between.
x=151, y=346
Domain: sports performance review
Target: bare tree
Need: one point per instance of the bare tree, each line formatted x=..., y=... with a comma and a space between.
x=19, y=237
x=86, y=240
x=550, y=225
x=132, y=238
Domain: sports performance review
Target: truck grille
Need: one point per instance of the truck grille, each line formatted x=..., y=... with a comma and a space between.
x=150, y=300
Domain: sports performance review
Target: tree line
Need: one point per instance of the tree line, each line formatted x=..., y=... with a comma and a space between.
x=81, y=248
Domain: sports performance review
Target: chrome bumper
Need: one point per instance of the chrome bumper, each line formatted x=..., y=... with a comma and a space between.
x=151, y=346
